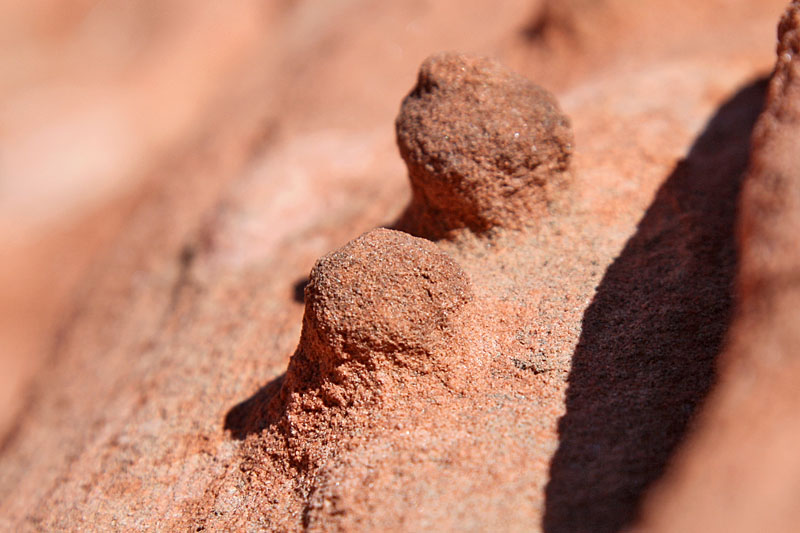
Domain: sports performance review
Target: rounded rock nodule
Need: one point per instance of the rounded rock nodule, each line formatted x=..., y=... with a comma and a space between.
x=382, y=298
x=484, y=147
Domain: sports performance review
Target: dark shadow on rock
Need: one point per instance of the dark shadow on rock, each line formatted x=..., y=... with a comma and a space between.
x=649, y=339
x=551, y=17
x=299, y=290
x=252, y=415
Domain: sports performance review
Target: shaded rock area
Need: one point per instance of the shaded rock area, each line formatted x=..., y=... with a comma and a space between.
x=582, y=319
x=739, y=470
x=649, y=340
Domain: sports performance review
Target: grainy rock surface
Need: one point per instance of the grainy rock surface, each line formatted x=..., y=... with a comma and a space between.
x=484, y=146
x=384, y=293
x=546, y=374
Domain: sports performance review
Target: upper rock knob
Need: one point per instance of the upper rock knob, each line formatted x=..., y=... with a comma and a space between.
x=484, y=147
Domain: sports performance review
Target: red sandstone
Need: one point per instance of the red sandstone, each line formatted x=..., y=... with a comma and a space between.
x=485, y=147
x=578, y=338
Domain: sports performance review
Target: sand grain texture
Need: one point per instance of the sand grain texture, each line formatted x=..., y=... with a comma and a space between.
x=571, y=332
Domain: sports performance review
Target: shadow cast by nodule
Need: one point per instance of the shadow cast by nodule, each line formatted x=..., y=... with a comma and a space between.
x=649, y=339
x=252, y=415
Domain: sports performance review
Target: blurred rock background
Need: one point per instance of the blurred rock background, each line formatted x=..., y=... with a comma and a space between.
x=136, y=137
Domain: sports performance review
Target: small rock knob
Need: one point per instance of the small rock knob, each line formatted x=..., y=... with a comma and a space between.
x=484, y=147
x=385, y=304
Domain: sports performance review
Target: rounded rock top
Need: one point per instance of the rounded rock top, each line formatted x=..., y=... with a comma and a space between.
x=387, y=292
x=484, y=146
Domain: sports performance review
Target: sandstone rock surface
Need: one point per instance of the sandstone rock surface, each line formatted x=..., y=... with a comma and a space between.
x=484, y=147
x=575, y=339
x=739, y=469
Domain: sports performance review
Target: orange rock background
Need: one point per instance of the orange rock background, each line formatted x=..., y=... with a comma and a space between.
x=171, y=171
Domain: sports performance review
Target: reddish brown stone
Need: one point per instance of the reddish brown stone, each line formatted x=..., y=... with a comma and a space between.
x=484, y=147
x=740, y=469
x=385, y=306
x=553, y=398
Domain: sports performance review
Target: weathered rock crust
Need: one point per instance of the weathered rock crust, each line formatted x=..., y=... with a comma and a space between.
x=485, y=147
x=385, y=307
x=152, y=410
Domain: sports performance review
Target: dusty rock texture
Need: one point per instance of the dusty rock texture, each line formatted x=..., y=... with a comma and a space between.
x=384, y=293
x=383, y=323
x=570, y=333
x=484, y=147
x=387, y=341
